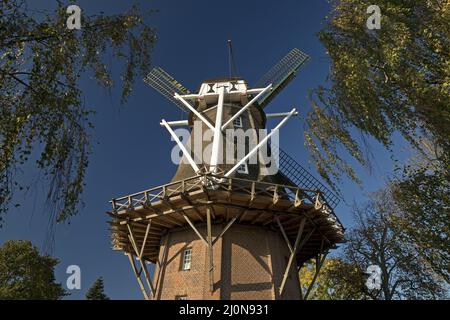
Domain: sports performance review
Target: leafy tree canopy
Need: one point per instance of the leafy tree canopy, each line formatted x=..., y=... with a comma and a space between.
x=25, y=274
x=422, y=194
x=337, y=280
x=42, y=109
x=392, y=80
x=395, y=80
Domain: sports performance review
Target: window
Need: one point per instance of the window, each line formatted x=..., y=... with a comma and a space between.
x=183, y=297
x=243, y=168
x=187, y=259
x=237, y=123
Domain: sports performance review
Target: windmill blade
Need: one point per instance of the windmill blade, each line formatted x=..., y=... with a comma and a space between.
x=281, y=74
x=299, y=176
x=166, y=85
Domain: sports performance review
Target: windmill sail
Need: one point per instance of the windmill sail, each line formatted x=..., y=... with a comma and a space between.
x=298, y=175
x=166, y=85
x=281, y=74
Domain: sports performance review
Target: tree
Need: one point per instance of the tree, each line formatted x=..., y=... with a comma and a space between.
x=337, y=280
x=422, y=191
x=42, y=108
x=25, y=274
x=375, y=241
x=382, y=82
x=96, y=292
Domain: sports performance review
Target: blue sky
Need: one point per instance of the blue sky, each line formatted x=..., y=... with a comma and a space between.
x=132, y=152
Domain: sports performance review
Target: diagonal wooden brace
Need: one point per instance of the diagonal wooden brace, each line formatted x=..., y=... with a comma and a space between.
x=288, y=243
x=319, y=263
x=294, y=251
x=194, y=228
x=139, y=255
x=138, y=277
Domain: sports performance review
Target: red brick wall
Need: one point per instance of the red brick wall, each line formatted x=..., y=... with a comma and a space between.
x=249, y=263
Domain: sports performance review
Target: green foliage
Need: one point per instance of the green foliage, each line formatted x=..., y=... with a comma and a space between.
x=25, y=274
x=42, y=107
x=425, y=218
x=96, y=292
x=337, y=280
x=381, y=83
x=423, y=194
x=396, y=79
x=376, y=240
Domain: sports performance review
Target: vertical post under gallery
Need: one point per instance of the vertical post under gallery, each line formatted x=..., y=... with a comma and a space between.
x=210, y=249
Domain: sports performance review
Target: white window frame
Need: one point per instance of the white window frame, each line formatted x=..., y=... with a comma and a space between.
x=187, y=260
x=237, y=123
x=243, y=168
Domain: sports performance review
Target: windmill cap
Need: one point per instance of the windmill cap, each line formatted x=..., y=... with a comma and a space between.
x=222, y=79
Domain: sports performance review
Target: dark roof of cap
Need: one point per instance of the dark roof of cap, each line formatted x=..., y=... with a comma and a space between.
x=223, y=79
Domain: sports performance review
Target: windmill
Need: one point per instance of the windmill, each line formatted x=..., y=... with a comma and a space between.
x=235, y=229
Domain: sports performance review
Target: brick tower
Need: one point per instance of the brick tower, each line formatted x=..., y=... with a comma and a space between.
x=240, y=217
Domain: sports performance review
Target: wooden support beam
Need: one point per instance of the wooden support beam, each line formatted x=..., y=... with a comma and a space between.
x=276, y=196
x=250, y=202
x=253, y=194
x=300, y=283
x=174, y=220
x=293, y=219
x=151, y=237
x=263, y=211
x=230, y=223
x=197, y=212
x=144, y=242
x=258, y=215
x=302, y=244
x=194, y=228
x=315, y=226
x=227, y=211
x=243, y=215
x=150, y=240
x=139, y=254
x=136, y=226
x=138, y=277
x=213, y=212
x=295, y=249
x=229, y=189
x=317, y=204
x=319, y=264
x=163, y=224
x=159, y=213
x=163, y=259
x=284, y=235
x=147, y=277
x=292, y=256
x=132, y=241
x=298, y=200
x=210, y=250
